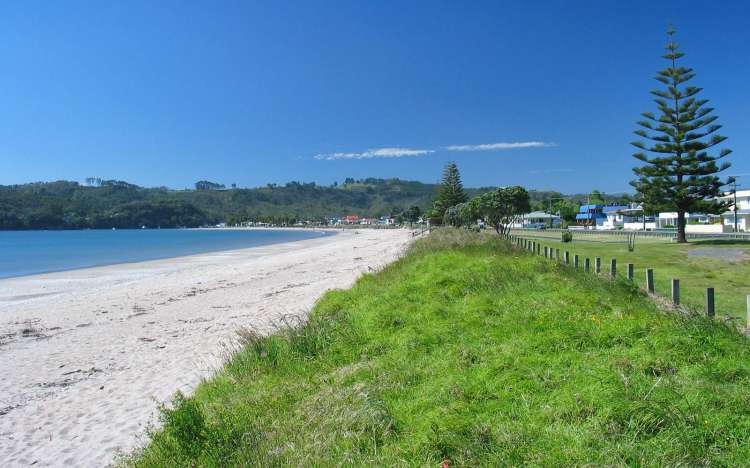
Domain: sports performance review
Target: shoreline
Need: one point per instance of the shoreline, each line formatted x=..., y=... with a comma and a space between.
x=88, y=353
x=125, y=271
x=325, y=232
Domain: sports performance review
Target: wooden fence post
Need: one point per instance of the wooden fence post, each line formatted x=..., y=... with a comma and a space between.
x=650, y=280
x=586, y=264
x=567, y=258
x=710, y=305
x=675, y=291
x=598, y=265
x=575, y=261
x=613, y=268
x=630, y=271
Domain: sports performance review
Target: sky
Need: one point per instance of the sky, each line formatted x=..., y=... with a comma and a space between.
x=543, y=94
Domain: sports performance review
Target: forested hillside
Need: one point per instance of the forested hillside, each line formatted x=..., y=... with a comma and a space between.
x=110, y=203
x=70, y=205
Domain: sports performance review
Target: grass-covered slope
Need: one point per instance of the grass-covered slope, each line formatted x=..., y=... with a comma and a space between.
x=730, y=278
x=486, y=356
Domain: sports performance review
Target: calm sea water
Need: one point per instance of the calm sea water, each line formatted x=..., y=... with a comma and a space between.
x=31, y=252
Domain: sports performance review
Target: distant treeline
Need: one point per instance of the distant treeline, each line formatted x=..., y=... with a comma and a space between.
x=110, y=203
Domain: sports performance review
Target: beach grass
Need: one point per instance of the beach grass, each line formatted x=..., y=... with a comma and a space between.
x=469, y=351
x=728, y=274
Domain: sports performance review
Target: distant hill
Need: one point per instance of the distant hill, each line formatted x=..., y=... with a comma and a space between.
x=70, y=205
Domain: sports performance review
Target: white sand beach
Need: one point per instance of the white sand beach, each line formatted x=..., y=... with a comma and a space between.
x=86, y=355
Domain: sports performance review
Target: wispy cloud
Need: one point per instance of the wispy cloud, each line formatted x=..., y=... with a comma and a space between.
x=398, y=152
x=500, y=146
x=376, y=153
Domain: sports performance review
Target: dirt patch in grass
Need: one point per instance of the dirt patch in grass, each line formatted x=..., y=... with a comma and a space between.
x=727, y=255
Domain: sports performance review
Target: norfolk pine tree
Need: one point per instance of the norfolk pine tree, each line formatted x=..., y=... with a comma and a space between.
x=680, y=175
x=450, y=192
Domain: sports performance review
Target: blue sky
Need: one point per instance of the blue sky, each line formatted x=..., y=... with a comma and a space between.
x=167, y=93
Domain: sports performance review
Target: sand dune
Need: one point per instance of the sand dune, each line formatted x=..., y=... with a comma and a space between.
x=85, y=356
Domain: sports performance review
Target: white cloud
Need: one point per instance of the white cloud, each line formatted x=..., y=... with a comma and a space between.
x=376, y=153
x=397, y=152
x=500, y=146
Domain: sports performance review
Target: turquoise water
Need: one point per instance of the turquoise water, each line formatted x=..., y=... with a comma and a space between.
x=31, y=252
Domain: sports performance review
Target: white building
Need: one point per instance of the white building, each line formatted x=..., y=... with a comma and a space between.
x=539, y=219
x=697, y=223
x=742, y=208
x=625, y=217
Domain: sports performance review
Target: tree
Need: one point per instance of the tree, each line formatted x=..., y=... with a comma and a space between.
x=681, y=175
x=566, y=209
x=412, y=214
x=502, y=207
x=454, y=216
x=596, y=198
x=206, y=185
x=450, y=192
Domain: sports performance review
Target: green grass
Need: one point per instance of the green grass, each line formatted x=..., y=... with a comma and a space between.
x=731, y=280
x=470, y=351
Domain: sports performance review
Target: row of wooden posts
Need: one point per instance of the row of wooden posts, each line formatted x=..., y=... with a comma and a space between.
x=549, y=252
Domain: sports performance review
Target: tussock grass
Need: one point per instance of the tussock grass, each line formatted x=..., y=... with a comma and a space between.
x=470, y=351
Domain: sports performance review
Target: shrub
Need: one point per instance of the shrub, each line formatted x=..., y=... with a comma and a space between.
x=567, y=236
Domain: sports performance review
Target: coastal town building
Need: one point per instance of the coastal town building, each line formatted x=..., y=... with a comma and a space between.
x=539, y=219
x=594, y=216
x=739, y=213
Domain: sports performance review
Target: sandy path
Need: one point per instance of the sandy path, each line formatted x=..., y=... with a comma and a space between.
x=85, y=355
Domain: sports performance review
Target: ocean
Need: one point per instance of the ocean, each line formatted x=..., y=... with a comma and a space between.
x=32, y=252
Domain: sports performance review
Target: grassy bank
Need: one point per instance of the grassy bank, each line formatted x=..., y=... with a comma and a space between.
x=730, y=279
x=469, y=351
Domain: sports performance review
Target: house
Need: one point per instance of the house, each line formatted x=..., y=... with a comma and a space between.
x=351, y=219
x=595, y=216
x=630, y=217
x=741, y=209
x=539, y=219
x=695, y=223
x=668, y=219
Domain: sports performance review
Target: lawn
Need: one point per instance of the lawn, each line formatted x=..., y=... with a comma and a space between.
x=469, y=351
x=730, y=278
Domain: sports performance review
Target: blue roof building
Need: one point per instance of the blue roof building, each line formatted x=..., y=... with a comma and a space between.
x=595, y=215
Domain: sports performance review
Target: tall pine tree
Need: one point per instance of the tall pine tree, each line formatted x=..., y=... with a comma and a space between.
x=680, y=175
x=450, y=192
